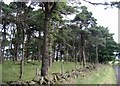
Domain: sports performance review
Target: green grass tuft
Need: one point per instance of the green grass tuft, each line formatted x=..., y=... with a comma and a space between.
x=104, y=75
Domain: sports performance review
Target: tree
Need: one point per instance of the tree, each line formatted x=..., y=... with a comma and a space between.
x=83, y=20
x=96, y=39
x=49, y=7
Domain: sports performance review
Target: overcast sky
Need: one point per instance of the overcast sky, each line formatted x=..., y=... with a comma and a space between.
x=107, y=18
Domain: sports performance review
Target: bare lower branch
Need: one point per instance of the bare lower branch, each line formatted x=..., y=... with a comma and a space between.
x=115, y=3
x=97, y=3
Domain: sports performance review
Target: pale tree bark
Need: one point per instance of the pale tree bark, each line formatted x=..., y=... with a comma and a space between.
x=83, y=57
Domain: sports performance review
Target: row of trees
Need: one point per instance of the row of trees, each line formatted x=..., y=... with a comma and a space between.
x=47, y=35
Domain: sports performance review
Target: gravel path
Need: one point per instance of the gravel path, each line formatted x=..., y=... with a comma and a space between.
x=117, y=70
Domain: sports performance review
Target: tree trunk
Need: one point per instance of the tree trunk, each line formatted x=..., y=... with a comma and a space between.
x=50, y=54
x=27, y=44
x=21, y=68
x=50, y=61
x=84, y=58
x=80, y=50
x=0, y=52
x=45, y=58
x=96, y=50
x=54, y=50
x=15, y=50
x=83, y=50
x=39, y=47
x=1, y=56
x=76, y=56
x=3, y=42
x=23, y=46
x=16, y=43
x=57, y=55
x=11, y=42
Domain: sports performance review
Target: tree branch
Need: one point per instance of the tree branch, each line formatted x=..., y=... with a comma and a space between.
x=115, y=3
x=97, y=3
x=53, y=7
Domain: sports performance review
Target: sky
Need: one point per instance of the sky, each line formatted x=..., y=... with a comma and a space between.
x=107, y=18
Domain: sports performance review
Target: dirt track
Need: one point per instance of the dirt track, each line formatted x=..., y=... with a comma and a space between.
x=117, y=70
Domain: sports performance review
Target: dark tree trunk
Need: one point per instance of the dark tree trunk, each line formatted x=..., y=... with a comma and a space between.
x=57, y=55
x=21, y=68
x=96, y=50
x=15, y=51
x=84, y=58
x=39, y=47
x=3, y=42
x=82, y=50
x=45, y=58
x=58, y=48
x=50, y=53
x=0, y=52
x=1, y=56
x=65, y=53
x=16, y=42
x=11, y=42
x=75, y=52
x=23, y=46
x=27, y=44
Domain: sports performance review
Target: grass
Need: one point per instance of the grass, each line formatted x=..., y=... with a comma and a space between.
x=67, y=66
x=10, y=70
x=0, y=73
x=104, y=75
x=110, y=77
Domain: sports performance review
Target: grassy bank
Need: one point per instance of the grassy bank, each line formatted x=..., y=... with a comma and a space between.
x=105, y=74
x=0, y=73
x=10, y=70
